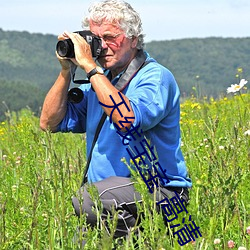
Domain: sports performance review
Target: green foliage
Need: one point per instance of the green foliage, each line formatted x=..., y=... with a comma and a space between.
x=29, y=58
x=28, y=68
x=216, y=146
x=40, y=172
x=36, y=184
x=14, y=95
x=208, y=62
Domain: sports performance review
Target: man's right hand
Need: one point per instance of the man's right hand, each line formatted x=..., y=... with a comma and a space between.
x=66, y=63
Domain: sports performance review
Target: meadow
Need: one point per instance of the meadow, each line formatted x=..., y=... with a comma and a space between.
x=40, y=172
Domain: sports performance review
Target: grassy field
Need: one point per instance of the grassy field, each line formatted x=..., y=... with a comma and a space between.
x=40, y=172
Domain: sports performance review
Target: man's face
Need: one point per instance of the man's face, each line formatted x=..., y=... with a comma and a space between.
x=118, y=50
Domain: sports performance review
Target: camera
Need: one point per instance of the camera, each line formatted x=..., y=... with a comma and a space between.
x=65, y=48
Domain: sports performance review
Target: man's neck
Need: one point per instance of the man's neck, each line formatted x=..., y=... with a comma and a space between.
x=117, y=71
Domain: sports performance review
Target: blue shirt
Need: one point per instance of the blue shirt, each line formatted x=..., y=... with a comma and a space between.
x=154, y=97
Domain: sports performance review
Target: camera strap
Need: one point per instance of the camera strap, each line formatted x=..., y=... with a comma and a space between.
x=136, y=64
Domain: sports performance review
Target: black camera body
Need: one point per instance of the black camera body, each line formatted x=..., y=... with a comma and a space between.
x=65, y=48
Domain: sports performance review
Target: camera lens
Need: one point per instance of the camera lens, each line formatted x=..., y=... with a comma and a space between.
x=75, y=95
x=65, y=48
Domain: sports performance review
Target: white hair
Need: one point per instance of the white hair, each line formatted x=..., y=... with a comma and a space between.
x=120, y=13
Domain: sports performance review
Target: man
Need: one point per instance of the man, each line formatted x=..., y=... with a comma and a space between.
x=148, y=99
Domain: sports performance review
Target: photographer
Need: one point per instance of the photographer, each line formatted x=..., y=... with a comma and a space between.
x=149, y=99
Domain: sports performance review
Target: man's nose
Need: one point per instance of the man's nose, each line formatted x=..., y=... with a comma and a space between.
x=104, y=44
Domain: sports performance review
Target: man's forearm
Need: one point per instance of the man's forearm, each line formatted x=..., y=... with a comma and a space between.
x=55, y=103
x=104, y=89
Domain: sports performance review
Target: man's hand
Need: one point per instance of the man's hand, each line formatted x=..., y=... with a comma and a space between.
x=66, y=63
x=83, y=54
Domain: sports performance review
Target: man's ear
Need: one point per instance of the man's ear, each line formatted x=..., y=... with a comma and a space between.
x=134, y=42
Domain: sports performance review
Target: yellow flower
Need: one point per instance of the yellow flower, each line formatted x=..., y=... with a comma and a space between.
x=240, y=70
x=137, y=160
x=195, y=105
x=198, y=182
x=183, y=113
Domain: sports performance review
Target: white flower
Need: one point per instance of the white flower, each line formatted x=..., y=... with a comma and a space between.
x=22, y=210
x=242, y=248
x=221, y=147
x=237, y=87
x=216, y=241
x=246, y=133
x=14, y=188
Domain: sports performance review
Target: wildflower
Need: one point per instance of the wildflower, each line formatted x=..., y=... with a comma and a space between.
x=195, y=106
x=14, y=188
x=216, y=241
x=242, y=248
x=198, y=182
x=221, y=147
x=137, y=160
x=45, y=216
x=230, y=244
x=248, y=230
x=247, y=133
x=240, y=70
x=237, y=87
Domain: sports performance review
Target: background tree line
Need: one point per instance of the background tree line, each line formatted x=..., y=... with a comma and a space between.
x=204, y=67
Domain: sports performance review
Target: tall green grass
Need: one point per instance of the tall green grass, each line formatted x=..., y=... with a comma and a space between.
x=40, y=172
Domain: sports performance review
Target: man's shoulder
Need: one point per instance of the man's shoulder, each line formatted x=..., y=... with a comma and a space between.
x=155, y=70
x=153, y=64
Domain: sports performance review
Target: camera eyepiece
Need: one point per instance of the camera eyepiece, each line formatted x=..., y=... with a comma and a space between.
x=65, y=48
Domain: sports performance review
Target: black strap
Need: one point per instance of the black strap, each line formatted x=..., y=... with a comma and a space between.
x=97, y=132
x=136, y=64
